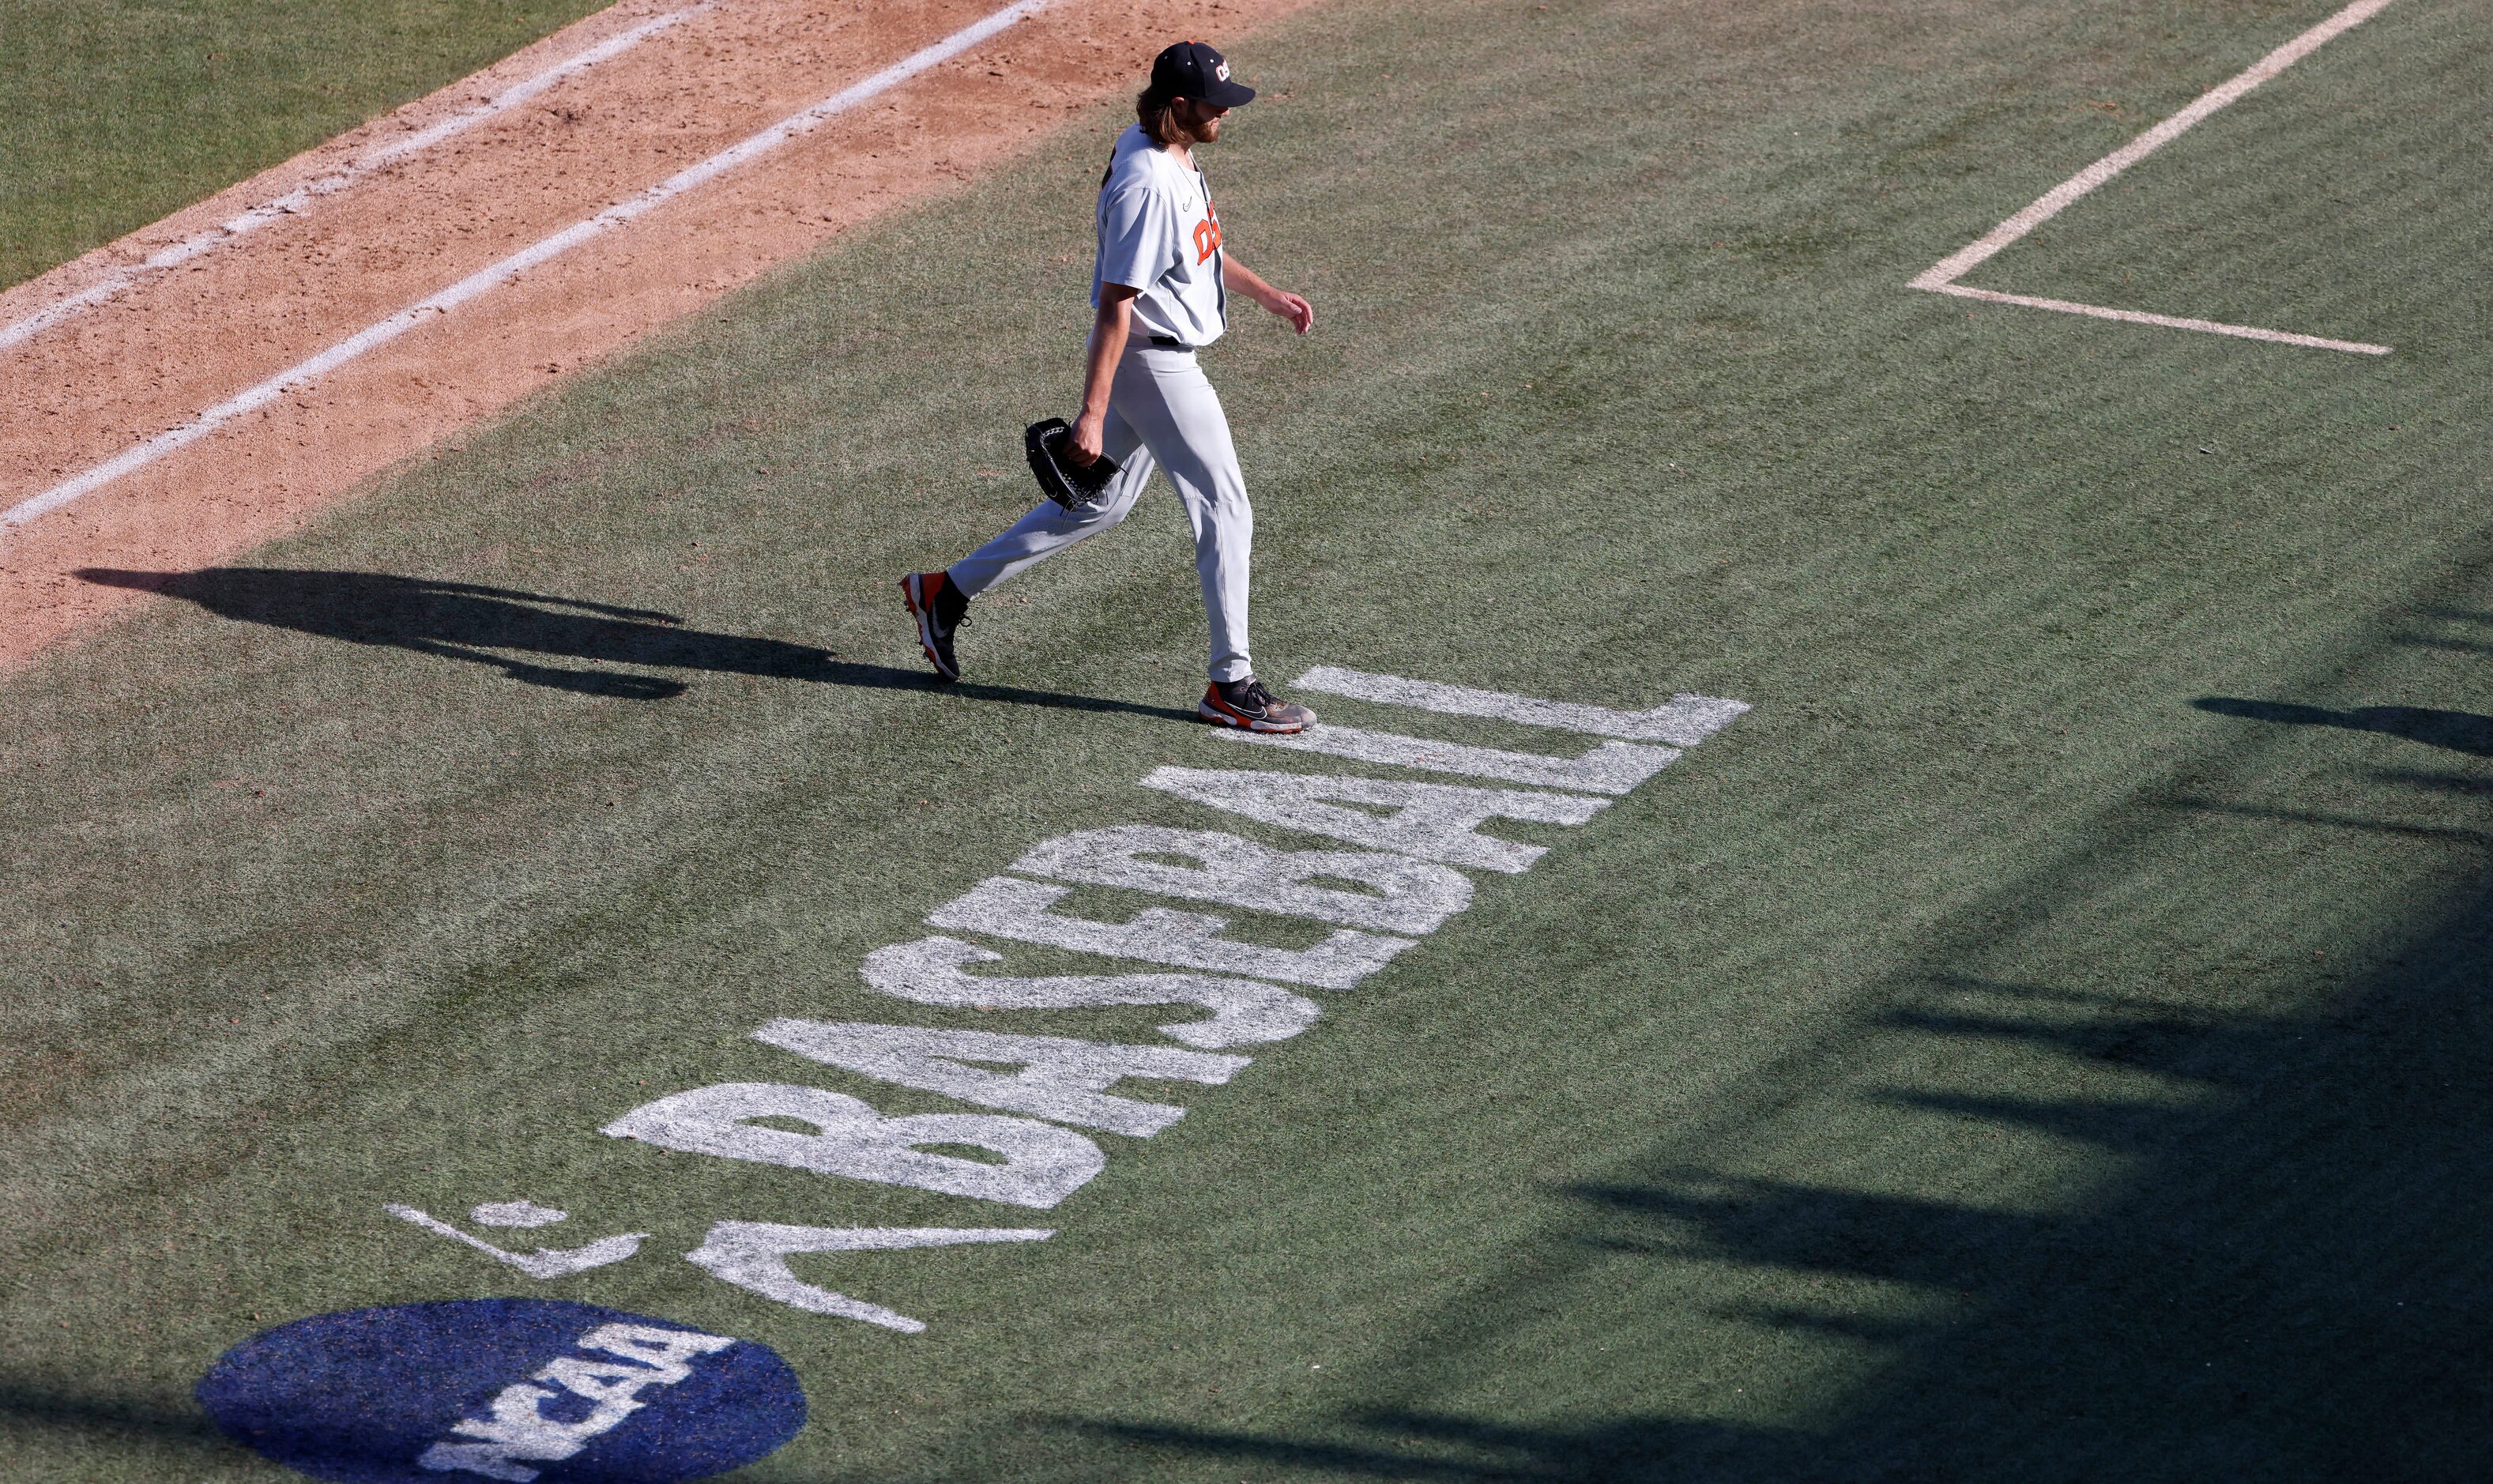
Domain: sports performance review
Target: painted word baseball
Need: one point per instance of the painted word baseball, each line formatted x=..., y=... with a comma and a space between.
x=1391, y=863
x=1415, y=840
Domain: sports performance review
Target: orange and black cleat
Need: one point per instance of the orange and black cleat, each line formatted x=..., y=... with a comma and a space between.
x=937, y=606
x=1247, y=705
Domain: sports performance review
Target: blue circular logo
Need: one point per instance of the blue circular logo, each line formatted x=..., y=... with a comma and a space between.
x=512, y=1390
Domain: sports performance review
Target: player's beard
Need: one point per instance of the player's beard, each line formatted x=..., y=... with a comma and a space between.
x=1200, y=124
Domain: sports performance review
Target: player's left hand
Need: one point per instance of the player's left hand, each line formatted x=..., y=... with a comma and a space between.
x=1289, y=306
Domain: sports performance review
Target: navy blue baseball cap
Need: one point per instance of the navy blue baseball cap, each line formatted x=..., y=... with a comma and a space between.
x=1193, y=69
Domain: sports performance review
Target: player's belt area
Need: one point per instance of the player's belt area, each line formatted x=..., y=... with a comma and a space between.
x=1168, y=342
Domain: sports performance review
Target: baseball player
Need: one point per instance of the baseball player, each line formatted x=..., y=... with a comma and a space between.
x=1160, y=293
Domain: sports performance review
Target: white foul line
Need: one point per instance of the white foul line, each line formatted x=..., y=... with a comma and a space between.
x=1942, y=276
x=295, y=200
x=486, y=279
x=2168, y=321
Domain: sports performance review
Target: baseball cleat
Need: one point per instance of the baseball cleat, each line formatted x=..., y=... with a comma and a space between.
x=1247, y=704
x=937, y=606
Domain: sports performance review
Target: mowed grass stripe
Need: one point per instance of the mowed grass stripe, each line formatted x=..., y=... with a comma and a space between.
x=1870, y=1090
x=114, y=113
x=2292, y=205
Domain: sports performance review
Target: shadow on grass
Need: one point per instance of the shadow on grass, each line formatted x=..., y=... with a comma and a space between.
x=467, y=623
x=2458, y=731
x=2288, y=1279
x=100, y=1418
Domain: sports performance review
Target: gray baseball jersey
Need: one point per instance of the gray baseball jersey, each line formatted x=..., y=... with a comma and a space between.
x=1159, y=235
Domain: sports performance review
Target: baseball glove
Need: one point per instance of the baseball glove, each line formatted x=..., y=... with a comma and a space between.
x=1074, y=486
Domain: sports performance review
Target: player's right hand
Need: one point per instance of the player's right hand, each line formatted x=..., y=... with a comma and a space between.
x=1089, y=436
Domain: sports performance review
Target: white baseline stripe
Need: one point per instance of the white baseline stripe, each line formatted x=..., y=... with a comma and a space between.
x=1941, y=276
x=295, y=200
x=486, y=279
x=2170, y=322
x=2060, y=197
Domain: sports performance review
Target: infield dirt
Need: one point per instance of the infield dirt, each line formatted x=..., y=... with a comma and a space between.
x=179, y=342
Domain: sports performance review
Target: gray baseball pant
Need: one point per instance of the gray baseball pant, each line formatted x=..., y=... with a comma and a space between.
x=1162, y=413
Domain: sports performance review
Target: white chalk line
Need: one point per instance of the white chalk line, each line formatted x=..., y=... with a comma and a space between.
x=1941, y=277
x=2168, y=321
x=294, y=201
x=486, y=279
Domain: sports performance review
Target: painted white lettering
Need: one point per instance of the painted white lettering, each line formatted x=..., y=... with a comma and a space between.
x=754, y=1255
x=1610, y=768
x=545, y=1262
x=516, y=1213
x=1438, y=820
x=1245, y=1012
x=600, y=1381
x=517, y=1429
x=1042, y=1164
x=1008, y=907
x=667, y=1351
x=1408, y=896
x=1062, y=1079
x=490, y=1459
x=1683, y=721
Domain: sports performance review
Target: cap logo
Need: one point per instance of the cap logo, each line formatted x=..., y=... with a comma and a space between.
x=1221, y=72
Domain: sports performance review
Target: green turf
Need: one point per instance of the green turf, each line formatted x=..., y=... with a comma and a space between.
x=1979, y=1062
x=116, y=112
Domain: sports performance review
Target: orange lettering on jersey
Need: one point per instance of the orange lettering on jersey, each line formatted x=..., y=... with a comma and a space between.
x=1207, y=235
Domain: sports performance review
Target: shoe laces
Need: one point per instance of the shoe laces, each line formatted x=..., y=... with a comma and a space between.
x=1251, y=694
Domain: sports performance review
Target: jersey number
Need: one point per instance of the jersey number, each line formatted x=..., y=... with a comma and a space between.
x=1207, y=235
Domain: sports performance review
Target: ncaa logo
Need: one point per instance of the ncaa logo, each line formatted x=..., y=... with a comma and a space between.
x=512, y=1390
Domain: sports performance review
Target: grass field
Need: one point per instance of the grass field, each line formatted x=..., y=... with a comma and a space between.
x=2042, y=1039
x=115, y=112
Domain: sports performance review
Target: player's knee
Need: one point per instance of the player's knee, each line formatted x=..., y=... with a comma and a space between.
x=1107, y=513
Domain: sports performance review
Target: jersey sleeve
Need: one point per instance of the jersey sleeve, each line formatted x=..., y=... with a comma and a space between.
x=1137, y=234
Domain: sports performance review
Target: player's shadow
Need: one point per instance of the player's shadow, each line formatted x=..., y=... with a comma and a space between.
x=483, y=625
x=2458, y=731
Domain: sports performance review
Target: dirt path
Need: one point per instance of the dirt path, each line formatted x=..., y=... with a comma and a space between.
x=179, y=341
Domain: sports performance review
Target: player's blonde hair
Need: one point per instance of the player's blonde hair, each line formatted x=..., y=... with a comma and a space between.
x=1157, y=112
